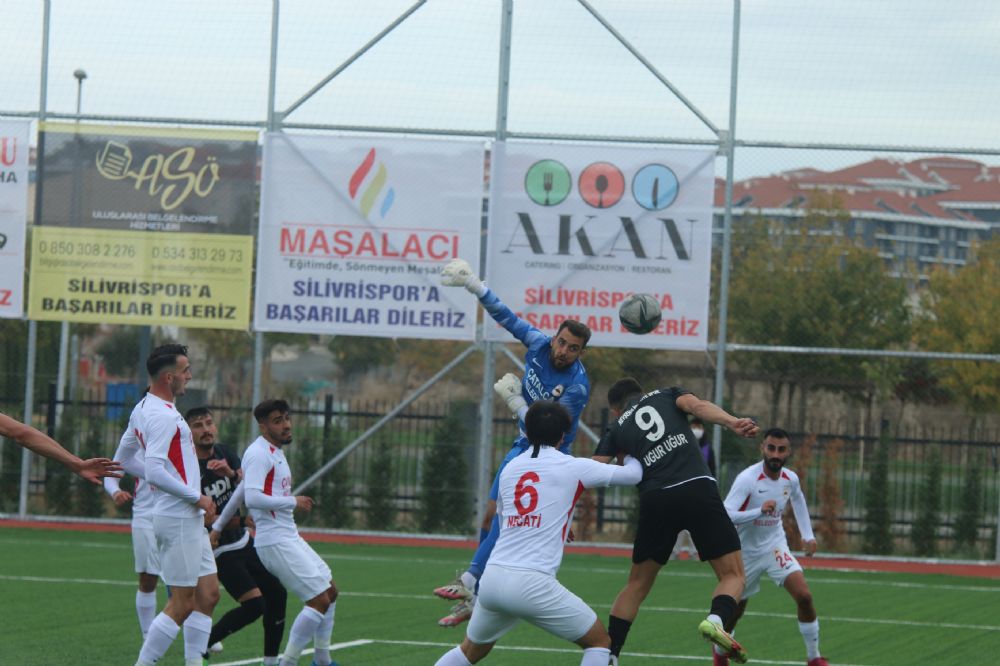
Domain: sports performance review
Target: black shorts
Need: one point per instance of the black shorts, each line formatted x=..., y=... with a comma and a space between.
x=241, y=571
x=694, y=506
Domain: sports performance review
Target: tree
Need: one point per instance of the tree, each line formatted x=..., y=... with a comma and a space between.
x=969, y=508
x=878, y=523
x=924, y=533
x=959, y=313
x=445, y=500
x=335, y=486
x=830, y=529
x=810, y=284
x=380, y=491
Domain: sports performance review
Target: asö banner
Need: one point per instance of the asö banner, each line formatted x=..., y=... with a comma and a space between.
x=144, y=225
x=14, y=136
x=575, y=229
x=354, y=232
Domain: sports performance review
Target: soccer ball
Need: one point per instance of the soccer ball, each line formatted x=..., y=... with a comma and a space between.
x=640, y=313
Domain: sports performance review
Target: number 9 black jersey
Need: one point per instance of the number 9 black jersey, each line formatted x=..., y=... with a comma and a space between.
x=655, y=432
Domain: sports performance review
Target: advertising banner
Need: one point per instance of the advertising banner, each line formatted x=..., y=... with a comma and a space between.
x=576, y=229
x=120, y=277
x=141, y=225
x=13, y=214
x=354, y=232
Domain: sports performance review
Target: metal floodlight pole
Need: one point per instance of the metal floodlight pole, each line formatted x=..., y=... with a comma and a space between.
x=29, y=379
x=727, y=233
x=63, y=369
x=272, y=123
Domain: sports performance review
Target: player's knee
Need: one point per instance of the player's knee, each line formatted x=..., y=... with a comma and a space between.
x=254, y=608
x=332, y=593
x=804, y=600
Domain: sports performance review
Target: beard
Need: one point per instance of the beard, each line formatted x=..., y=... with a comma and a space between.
x=774, y=464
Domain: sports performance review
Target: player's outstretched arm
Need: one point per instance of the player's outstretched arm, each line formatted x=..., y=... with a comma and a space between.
x=712, y=413
x=93, y=469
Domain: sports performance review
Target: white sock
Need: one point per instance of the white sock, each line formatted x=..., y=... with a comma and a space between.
x=810, y=634
x=145, y=608
x=197, y=628
x=719, y=651
x=468, y=580
x=321, y=640
x=595, y=657
x=715, y=619
x=162, y=632
x=302, y=631
x=454, y=657
x=270, y=661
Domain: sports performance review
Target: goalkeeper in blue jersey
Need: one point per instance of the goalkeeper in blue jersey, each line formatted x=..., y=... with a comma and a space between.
x=552, y=371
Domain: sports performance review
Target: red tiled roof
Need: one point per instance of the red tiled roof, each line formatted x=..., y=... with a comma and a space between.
x=860, y=189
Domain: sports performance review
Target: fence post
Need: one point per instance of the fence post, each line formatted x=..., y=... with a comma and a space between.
x=327, y=417
x=50, y=413
x=600, y=491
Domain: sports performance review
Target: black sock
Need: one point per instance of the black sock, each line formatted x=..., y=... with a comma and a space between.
x=725, y=607
x=274, y=621
x=236, y=619
x=618, y=630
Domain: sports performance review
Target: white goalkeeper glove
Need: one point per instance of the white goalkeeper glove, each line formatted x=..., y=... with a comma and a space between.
x=458, y=273
x=508, y=387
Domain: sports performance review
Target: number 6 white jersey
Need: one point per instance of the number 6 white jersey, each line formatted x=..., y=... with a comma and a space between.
x=536, y=502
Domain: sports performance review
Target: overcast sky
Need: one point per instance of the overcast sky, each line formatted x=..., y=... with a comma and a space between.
x=895, y=72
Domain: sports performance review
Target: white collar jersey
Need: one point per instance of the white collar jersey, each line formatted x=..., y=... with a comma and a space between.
x=265, y=469
x=535, y=505
x=762, y=533
x=167, y=436
x=142, y=497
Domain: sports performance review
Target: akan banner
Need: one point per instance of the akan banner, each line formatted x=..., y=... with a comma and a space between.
x=575, y=229
x=354, y=232
x=13, y=214
x=143, y=225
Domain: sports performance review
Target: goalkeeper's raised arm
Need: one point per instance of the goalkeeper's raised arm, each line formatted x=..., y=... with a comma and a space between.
x=458, y=273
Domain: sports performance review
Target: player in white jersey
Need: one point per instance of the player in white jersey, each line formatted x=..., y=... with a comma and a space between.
x=538, y=492
x=179, y=512
x=267, y=483
x=132, y=455
x=756, y=502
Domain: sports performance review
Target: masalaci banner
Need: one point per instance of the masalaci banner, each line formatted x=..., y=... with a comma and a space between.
x=575, y=229
x=354, y=232
x=13, y=214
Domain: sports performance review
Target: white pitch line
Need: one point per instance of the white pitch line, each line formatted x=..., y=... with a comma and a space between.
x=307, y=651
x=527, y=648
x=656, y=609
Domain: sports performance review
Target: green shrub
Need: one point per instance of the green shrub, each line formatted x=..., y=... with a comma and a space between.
x=877, y=533
x=924, y=533
x=969, y=509
x=445, y=501
x=380, y=509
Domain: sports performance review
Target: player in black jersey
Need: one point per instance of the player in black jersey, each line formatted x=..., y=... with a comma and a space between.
x=677, y=492
x=240, y=570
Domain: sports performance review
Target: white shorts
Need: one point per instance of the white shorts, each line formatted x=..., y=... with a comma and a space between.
x=147, y=559
x=507, y=595
x=297, y=566
x=185, y=552
x=778, y=563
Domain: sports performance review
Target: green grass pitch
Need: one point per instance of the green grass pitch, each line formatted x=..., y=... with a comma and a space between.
x=68, y=598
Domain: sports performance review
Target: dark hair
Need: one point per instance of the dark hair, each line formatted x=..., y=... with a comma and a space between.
x=545, y=424
x=196, y=413
x=777, y=433
x=696, y=420
x=261, y=411
x=622, y=390
x=164, y=356
x=579, y=329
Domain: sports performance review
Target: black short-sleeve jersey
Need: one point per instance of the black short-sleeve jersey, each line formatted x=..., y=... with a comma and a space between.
x=655, y=432
x=220, y=488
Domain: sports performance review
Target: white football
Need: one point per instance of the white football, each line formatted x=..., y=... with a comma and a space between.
x=640, y=313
